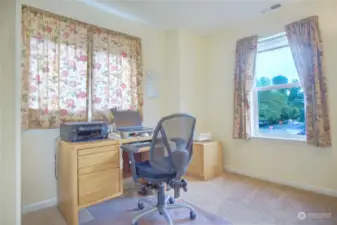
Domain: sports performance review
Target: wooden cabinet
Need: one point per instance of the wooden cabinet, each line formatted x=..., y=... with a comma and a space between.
x=206, y=161
x=98, y=159
x=98, y=185
x=87, y=173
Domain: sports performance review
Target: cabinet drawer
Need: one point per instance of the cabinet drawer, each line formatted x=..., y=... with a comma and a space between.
x=110, y=157
x=95, y=186
x=196, y=165
x=89, y=151
x=96, y=168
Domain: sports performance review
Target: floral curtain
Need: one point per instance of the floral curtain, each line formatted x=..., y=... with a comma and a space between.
x=54, y=70
x=116, y=72
x=63, y=60
x=246, y=50
x=306, y=46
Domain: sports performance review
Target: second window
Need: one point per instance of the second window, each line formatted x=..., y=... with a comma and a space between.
x=278, y=109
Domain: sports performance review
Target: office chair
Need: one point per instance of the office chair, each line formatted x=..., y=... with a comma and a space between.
x=170, y=154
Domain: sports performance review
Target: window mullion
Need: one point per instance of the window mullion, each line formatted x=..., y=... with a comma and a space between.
x=280, y=86
x=274, y=48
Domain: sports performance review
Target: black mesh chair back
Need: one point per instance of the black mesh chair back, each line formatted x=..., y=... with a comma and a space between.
x=172, y=144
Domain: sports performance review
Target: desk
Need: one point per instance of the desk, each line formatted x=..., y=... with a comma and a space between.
x=92, y=172
x=89, y=173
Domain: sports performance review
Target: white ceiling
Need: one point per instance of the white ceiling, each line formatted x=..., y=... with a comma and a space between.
x=200, y=16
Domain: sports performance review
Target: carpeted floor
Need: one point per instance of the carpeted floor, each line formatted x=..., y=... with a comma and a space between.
x=120, y=211
x=247, y=201
x=238, y=199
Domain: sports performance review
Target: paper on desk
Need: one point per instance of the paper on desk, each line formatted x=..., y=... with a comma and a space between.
x=114, y=136
x=203, y=137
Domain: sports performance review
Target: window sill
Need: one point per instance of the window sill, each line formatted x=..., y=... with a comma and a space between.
x=279, y=139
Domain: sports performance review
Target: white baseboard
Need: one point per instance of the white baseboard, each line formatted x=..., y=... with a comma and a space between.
x=318, y=190
x=39, y=205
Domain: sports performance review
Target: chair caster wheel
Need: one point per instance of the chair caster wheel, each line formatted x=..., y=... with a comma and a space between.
x=193, y=215
x=140, y=206
x=171, y=200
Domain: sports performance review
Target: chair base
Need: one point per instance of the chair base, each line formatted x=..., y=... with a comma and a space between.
x=163, y=210
x=162, y=207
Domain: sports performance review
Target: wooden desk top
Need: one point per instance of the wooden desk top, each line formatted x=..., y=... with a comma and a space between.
x=121, y=142
x=103, y=142
x=89, y=144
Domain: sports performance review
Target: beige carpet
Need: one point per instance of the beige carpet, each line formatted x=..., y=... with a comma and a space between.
x=121, y=211
x=242, y=201
x=247, y=201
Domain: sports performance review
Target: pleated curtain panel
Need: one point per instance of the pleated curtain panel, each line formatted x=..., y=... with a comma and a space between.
x=246, y=50
x=116, y=72
x=71, y=70
x=306, y=47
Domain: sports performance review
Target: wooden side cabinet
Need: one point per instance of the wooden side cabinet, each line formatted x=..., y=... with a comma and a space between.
x=206, y=161
x=87, y=173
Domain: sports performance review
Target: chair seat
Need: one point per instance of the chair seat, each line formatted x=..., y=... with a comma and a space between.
x=145, y=170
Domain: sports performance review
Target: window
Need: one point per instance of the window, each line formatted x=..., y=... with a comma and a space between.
x=72, y=71
x=277, y=96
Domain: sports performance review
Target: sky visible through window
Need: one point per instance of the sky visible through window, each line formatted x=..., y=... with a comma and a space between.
x=276, y=62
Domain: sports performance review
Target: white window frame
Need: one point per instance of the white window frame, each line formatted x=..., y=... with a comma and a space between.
x=254, y=97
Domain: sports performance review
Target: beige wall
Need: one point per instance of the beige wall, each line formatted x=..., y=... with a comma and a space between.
x=185, y=82
x=172, y=84
x=38, y=182
x=192, y=76
x=287, y=162
x=10, y=199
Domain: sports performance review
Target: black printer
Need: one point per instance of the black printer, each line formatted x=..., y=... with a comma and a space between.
x=83, y=131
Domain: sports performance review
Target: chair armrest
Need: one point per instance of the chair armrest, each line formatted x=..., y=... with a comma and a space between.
x=130, y=148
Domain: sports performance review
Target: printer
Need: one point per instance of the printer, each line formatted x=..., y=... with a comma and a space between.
x=83, y=131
